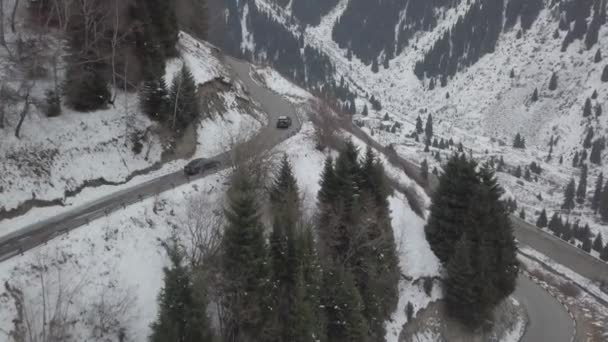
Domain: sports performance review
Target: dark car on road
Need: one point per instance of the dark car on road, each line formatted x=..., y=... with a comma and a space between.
x=200, y=165
x=284, y=122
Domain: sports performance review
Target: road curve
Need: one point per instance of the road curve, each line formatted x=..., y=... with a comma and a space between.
x=547, y=318
x=36, y=234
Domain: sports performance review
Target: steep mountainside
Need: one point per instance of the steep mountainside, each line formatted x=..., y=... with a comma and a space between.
x=485, y=70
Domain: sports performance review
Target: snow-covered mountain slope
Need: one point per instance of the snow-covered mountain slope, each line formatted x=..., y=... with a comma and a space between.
x=475, y=71
x=56, y=158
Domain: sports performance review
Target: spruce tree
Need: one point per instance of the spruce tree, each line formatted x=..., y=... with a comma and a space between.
x=183, y=100
x=519, y=141
x=604, y=254
x=542, y=219
x=463, y=286
x=555, y=223
x=284, y=258
x=86, y=87
x=569, y=193
x=375, y=67
x=522, y=214
x=594, y=95
x=586, y=245
x=598, y=243
x=598, y=56
x=245, y=271
x=603, y=208
x=581, y=191
x=534, y=95
x=597, y=193
x=343, y=306
x=153, y=98
x=182, y=315
x=512, y=73
x=598, y=110
x=588, y=138
x=311, y=322
x=429, y=127
x=605, y=74
x=424, y=170
x=575, y=159
x=517, y=172
x=52, y=106
x=553, y=82
x=596, y=151
x=450, y=206
x=164, y=23
x=365, y=111
x=419, y=127
x=587, y=108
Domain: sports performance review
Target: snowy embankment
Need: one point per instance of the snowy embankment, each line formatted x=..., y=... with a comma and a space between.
x=80, y=147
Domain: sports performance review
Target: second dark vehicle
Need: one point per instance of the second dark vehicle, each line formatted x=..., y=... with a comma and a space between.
x=284, y=122
x=200, y=165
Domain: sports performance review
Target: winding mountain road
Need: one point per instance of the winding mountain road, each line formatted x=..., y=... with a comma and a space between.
x=268, y=137
x=548, y=320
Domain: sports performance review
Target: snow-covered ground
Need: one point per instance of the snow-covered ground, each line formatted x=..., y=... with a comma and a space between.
x=486, y=107
x=121, y=257
x=76, y=147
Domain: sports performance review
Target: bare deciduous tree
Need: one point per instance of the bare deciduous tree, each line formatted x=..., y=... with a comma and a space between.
x=203, y=230
x=26, y=107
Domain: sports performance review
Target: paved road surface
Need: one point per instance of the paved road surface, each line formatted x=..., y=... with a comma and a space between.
x=542, y=308
x=548, y=320
x=559, y=250
x=269, y=136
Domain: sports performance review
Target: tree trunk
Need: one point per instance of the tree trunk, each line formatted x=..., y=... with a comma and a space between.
x=2, y=39
x=13, y=15
x=2, y=106
x=24, y=111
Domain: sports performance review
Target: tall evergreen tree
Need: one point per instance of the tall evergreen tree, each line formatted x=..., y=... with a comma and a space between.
x=284, y=258
x=344, y=307
x=450, y=206
x=598, y=243
x=598, y=56
x=164, y=21
x=587, y=108
x=153, y=98
x=555, y=223
x=542, y=219
x=603, y=208
x=581, y=191
x=429, y=127
x=519, y=141
x=245, y=271
x=553, y=82
x=597, y=193
x=596, y=151
x=182, y=315
x=569, y=194
x=586, y=245
x=604, y=254
x=534, y=97
x=419, y=126
x=463, y=292
x=424, y=170
x=183, y=100
x=605, y=74
x=588, y=138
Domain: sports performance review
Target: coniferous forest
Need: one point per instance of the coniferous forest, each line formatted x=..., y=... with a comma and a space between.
x=331, y=279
